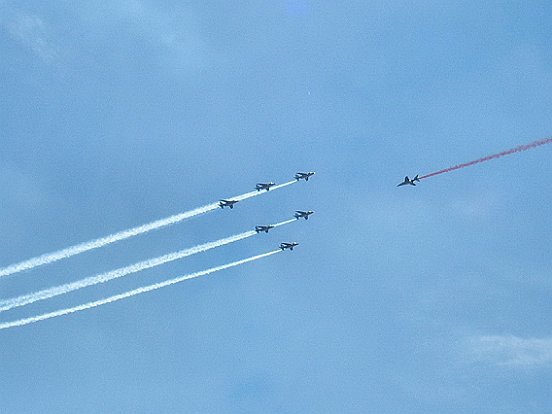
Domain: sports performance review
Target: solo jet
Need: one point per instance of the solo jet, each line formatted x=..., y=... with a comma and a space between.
x=264, y=186
x=303, y=214
x=289, y=246
x=227, y=203
x=304, y=175
x=409, y=181
x=259, y=229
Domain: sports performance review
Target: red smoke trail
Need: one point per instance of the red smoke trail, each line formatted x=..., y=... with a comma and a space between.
x=492, y=157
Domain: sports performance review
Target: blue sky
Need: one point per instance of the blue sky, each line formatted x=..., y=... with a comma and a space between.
x=399, y=300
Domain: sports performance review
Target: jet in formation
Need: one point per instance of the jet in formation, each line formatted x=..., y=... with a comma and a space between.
x=303, y=214
x=408, y=181
x=260, y=229
x=264, y=186
x=227, y=203
x=304, y=175
x=288, y=246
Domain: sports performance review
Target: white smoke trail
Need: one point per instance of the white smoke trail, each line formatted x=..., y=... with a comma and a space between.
x=117, y=273
x=283, y=223
x=125, y=234
x=94, y=244
x=138, y=291
x=27, y=299
x=257, y=192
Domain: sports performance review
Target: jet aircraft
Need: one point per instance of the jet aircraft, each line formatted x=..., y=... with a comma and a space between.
x=259, y=229
x=227, y=203
x=304, y=175
x=264, y=186
x=408, y=181
x=303, y=214
x=289, y=246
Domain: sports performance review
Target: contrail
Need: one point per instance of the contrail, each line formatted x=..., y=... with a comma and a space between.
x=125, y=234
x=23, y=300
x=131, y=293
x=521, y=148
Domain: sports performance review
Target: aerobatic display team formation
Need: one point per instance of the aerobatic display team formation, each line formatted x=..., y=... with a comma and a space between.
x=260, y=188
x=40, y=295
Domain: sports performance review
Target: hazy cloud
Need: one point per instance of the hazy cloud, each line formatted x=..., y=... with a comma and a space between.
x=512, y=350
x=172, y=32
x=30, y=31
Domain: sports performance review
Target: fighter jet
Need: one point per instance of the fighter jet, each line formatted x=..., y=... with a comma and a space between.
x=264, y=186
x=303, y=214
x=227, y=203
x=289, y=246
x=304, y=175
x=259, y=229
x=409, y=181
